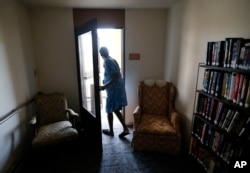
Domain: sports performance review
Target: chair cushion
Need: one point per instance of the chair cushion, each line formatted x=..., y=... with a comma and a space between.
x=154, y=99
x=54, y=133
x=155, y=124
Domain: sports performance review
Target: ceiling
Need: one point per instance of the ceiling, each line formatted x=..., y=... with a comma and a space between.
x=124, y=4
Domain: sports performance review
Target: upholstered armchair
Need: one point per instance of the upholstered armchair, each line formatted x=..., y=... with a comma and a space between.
x=54, y=121
x=156, y=122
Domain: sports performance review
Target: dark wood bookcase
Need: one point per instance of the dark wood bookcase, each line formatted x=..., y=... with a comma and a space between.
x=221, y=118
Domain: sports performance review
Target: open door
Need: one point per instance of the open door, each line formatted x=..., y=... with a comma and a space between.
x=88, y=82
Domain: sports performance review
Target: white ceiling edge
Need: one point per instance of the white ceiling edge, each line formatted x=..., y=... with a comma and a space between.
x=115, y=4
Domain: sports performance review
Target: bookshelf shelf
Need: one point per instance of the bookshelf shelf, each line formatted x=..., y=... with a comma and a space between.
x=218, y=129
x=223, y=100
x=217, y=157
x=220, y=133
x=243, y=71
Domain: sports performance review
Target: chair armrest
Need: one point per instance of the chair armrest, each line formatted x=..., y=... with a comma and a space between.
x=72, y=113
x=137, y=116
x=175, y=120
x=72, y=116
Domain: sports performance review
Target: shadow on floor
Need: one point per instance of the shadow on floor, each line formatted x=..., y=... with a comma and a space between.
x=117, y=157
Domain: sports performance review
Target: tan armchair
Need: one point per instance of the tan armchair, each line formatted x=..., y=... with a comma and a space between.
x=54, y=121
x=156, y=122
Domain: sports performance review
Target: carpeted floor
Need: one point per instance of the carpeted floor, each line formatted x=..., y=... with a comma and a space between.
x=117, y=157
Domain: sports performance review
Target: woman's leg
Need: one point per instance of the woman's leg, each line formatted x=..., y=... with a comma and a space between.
x=121, y=119
x=109, y=132
x=110, y=121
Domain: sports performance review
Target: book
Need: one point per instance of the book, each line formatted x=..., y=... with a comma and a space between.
x=247, y=100
x=223, y=116
x=208, y=135
x=244, y=91
x=213, y=55
x=196, y=127
x=216, y=141
x=197, y=110
x=224, y=85
x=233, y=121
x=213, y=84
x=244, y=127
x=242, y=57
x=236, y=52
x=246, y=63
x=243, y=54
x=209, y=52
x=211, y=139
x=218, y=53
x=226, y=50
x=223, y=149
x=226, y=151
x=200, y=154
x=208, y=107
x=239, y=89
x=220, y=145
x=212, y=109
x=231, y=87
x=218, y=112
x=219, y=84
x=206, y=80
x=227, y=119
x=240, y=125
x=203, y=132
x=236, y=87
x=204, y=106
x=221, y=52
x=227, y=85
x=231, y=42
x=210, y=81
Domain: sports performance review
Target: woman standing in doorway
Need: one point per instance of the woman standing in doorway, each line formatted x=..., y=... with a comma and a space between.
x=116, y=93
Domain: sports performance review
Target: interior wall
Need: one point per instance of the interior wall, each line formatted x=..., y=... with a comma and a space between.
x=190, y=25
x=54, y=47
x=144, y=34
x=18, y=83
x=55, y=51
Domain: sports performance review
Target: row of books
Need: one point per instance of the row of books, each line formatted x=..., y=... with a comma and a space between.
x=218, y=143
x=222, y=116
x=232, y=86
x=205, y=158
x=230, y=53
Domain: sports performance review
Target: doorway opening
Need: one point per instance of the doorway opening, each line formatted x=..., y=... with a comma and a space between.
x=113, y=39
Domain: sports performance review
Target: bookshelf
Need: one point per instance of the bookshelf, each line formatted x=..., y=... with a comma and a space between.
x=221, y=113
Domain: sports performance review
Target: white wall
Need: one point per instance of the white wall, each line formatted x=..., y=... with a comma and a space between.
x=190, y=25
x=145, y=34
x=54, y=47
x=17, y=81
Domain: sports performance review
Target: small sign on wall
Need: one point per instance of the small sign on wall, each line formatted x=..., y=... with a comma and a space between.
x=134, y=56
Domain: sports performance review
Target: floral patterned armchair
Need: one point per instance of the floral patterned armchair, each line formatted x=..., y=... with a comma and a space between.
x=156, y=122
x=54, y=121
